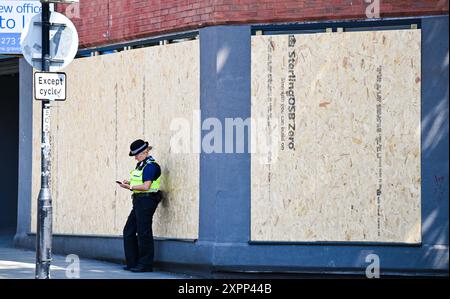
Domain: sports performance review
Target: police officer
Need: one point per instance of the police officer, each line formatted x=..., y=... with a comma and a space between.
x=137, y=233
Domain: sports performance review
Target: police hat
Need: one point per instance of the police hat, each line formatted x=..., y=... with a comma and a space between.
x=138, y=146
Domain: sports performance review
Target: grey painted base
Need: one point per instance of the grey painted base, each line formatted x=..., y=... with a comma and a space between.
x=244, y=260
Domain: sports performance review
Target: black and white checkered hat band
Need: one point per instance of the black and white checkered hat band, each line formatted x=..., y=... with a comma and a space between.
x=139, y=149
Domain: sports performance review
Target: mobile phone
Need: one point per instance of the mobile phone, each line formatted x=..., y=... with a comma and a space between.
x=118, y=182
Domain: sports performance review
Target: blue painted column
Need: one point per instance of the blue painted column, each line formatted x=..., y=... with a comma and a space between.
x=25, y=149
x=435, y=157
x=224, y=177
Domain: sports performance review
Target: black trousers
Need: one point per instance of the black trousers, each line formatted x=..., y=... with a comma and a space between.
x=137, y=233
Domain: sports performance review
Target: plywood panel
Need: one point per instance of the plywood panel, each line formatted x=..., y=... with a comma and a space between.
x=343, y=113
x=111, y=102
x=175, y=82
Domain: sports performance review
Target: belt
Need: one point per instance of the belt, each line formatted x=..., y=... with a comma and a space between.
x=143, y=194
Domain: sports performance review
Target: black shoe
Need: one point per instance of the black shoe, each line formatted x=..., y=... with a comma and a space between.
x=127, y=268
x=141, y=268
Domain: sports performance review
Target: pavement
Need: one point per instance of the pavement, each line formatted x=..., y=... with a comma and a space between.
x=16, y=263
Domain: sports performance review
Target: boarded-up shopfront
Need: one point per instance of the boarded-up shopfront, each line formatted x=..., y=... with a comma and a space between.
x=113, y=100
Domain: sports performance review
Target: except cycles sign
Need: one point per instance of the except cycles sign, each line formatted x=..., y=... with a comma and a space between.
x=14, y=15
x=50, y=86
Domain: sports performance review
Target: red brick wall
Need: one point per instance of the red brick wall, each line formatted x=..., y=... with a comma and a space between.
x=101, y=22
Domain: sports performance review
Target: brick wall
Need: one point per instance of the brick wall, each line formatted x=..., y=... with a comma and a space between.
x=101, y=22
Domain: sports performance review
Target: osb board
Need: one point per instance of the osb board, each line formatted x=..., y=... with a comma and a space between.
x=112, y=100
x=345, y=166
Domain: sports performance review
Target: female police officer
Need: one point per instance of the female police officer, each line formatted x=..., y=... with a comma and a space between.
x=137, y=233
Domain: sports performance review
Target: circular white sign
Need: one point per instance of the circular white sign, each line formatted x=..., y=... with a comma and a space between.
x=63, y=42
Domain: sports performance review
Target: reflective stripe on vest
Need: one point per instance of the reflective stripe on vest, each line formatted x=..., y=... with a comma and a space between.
x=136, y=179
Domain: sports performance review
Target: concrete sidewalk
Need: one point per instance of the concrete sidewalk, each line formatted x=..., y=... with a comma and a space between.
x=20, y=264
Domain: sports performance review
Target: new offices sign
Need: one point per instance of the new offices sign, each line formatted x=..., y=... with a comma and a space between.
x=14, y=15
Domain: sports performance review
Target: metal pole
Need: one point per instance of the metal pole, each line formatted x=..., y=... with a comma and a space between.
x=44, y=219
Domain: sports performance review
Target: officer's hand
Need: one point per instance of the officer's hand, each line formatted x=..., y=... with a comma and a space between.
x=125, y=186
x=126, y=182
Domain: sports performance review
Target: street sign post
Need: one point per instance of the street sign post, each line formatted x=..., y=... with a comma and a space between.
x=50, y=86
x=45, y=210
x=58, y=42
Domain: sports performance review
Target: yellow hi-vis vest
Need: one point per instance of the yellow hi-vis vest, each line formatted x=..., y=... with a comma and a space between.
x=136, y=179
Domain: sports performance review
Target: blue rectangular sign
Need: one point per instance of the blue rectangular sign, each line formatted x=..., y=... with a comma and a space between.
x=10, y=43
x=14, y=15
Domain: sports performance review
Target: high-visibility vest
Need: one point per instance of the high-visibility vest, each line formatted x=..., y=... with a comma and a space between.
x=136, y=179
